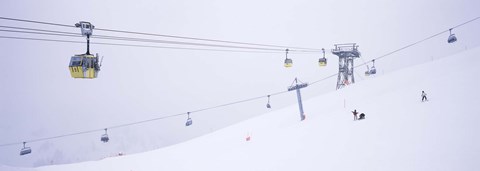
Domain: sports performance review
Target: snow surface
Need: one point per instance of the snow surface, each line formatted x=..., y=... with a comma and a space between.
x=399, y=132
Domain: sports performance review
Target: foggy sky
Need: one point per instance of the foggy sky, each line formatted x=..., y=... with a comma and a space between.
x=38, y=98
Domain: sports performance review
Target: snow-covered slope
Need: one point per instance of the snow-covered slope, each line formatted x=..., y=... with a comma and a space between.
x=400, y=132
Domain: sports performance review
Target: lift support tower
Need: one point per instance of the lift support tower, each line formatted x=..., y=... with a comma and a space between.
x=296, y=86
x=346, y=54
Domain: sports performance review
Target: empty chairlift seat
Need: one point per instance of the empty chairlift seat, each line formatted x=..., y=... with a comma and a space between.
x=104, y=138
x=452, y=38
x=189, y=122
x=268, y=102
x=25, y=150
x=373, y=70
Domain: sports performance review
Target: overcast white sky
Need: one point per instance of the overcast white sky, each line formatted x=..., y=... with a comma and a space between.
x=38, y=98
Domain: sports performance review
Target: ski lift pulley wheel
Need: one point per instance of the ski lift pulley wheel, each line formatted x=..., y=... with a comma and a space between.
x=85, y=27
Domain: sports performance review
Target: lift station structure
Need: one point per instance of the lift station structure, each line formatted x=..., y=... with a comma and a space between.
x=346, y=54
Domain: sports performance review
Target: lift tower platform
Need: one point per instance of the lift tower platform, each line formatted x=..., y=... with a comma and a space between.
x=346, y=54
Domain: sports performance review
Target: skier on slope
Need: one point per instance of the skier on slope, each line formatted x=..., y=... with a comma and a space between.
x=424, y=96
x=355, y=114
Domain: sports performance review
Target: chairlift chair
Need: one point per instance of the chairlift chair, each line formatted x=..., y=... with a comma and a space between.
x=367, y=73
x=104, y=137
x=189, y=120
x=452, y=38
x=373, y=70
x=268, y=103
x=25, y=150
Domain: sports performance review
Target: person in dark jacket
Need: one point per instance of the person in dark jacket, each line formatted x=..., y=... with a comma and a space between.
x=424, y=96
x=355, y=114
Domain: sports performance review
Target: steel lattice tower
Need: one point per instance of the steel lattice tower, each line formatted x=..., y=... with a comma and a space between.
x=346, y=54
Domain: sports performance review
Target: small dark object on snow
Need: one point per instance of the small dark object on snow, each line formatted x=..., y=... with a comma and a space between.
x=362, y=116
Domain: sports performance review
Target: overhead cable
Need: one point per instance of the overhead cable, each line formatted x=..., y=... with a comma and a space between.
x=105, y=37
x=143, y=121
x=164, y=35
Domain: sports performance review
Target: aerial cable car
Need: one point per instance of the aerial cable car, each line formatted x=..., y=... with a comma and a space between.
x=25, y=150
x=85, y=65
x=288, y=62
x=322, y=61
x=189, y=120
x=268, y=103
x=104, y=137
x=452, y=38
